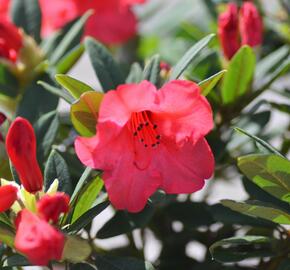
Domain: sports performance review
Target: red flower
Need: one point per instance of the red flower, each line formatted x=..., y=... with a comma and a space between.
x=228, y=31
x=21, y=149
x=10, y=40
x=251, y=25
x=50, y=207
x=37, y=239
x=149, y=139
x=8, y=195
x=4, y=8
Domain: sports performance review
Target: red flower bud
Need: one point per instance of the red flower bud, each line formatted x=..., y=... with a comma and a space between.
x=37, y=239
x=228, y=30
x=8, y=195
x=50, y=207
x=21, y=149
x=251, y=25
x=10, y=40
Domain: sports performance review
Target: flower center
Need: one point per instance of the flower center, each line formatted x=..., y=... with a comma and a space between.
x=144, y=130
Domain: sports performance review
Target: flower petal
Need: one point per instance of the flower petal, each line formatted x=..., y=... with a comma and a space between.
x=8, y=195
x=185, y=168
x=183, y=111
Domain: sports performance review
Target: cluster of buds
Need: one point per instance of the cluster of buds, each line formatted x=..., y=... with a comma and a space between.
x=239, y=27
x=37, y=213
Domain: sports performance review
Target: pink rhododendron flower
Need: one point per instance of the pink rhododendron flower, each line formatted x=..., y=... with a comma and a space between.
x=149, y=139
x=251, y=25
x=37, y=239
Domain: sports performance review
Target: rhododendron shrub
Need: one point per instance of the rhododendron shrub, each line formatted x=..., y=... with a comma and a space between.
x=152, y=152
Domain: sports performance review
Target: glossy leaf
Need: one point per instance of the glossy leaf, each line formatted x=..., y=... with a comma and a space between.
x=240, y=73
x=56, y=168
x=259, y=209
x=183, y=63
x=84, y=113
x=88, y=197
x=105, y=67
x=270, y=172
x=208, y=84
x=75, y=87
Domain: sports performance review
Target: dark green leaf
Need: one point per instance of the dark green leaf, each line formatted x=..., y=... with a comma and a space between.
x=56, y=168
x=81, y=266
x=239, y=248
x=152, y=70
x=135, y=74
x=45, y=129
x=270, y=172
x=87, y=217
x=121, y=263
x=240, y=73
x=27, y=15
x=8, y=82
x=124, y=222
x=105, y=67
x=183, y=63
x=17, y=260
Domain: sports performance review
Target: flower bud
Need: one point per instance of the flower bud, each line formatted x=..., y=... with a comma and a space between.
x=50, y=207
x=228, y=31
x=8, y=195
x=37, y=239
x=21, y=149
x=251, y=25
x=10, y=40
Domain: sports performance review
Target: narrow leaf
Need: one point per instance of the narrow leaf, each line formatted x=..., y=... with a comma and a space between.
x=208, y=84
x=152, y=70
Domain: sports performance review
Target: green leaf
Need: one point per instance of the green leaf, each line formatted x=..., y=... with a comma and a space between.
x=270, y=172
x=36, y=101
x=87, y=217
x=27, y=15
x=265, y=145
x=56, y=92
x=6, y=235
x=236, y=249
x=152, y=70
x=208, y=84
x=76, y=249
x=75, y=87
x=81, y=266
x=124, y=222
x=71, y=36
x=183, y=63
x=68, y=60
x=240, y=73
x=282, y=107
x=17, y=260
x=135, y=74
x=8, y=82
x=56, y=168
x=270, y=61
x=259, y=209
x=105, y=67
x=46, y=129
x=84, y=113
x=121, y=263
x=88, y=197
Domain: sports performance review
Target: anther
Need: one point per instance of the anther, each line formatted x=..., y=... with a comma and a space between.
x=153, y=145
x=158, y=137
x=154, y=126
x=135, y=133
x=146, y=124
x=146, y=145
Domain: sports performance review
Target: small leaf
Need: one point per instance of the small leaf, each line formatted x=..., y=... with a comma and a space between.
x=17, y=260
x=124, y=222
x=105, y=67
x=135, y=74
x=239, y=248
x=6, y=235
x=73, y=34
x=8, y=82
x=84, y=113
x=270, y=172
x=189, y=56
x=76, y=249
x=56, y=168
x=27, y=15
x=259, y=209
x=240, y=73
x=68, y=60
x=87, y=217
x=75, y=87
x=46, y=129
x=87, y=198
x=208, y=84
x=121, y=263
x=152, y=70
